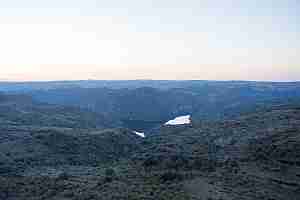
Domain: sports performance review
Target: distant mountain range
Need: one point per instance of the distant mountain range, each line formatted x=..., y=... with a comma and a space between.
x=129, y=84
x=145, y=104
x=155, y=105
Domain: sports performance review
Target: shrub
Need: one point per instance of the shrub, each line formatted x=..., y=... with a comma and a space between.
x=110, y=175
x=171, y=176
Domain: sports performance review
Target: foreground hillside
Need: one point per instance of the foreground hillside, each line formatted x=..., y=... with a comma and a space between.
x=254, y=156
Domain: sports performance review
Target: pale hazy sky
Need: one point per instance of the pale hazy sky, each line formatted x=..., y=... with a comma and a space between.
x=150, y=39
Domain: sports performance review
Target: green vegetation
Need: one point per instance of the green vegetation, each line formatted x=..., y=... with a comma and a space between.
x=64, y=153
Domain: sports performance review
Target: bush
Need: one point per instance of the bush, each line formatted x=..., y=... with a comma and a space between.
x=171, y=176
x=110, y=175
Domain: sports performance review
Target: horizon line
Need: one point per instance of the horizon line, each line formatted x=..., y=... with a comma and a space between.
x=205, y=80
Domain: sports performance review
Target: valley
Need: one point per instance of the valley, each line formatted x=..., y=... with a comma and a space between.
x=150, y=140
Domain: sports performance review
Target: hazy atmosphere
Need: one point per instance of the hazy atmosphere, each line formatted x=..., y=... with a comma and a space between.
x=149, y=100
x=150, y=39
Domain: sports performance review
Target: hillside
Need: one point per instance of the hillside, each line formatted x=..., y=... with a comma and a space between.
x=147, y=107
x=23, y=110
x=253, y=156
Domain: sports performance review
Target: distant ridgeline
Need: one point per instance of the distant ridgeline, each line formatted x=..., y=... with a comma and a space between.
x=145, y=104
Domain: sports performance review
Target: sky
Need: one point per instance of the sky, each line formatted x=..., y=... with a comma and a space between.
x=150, y=39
